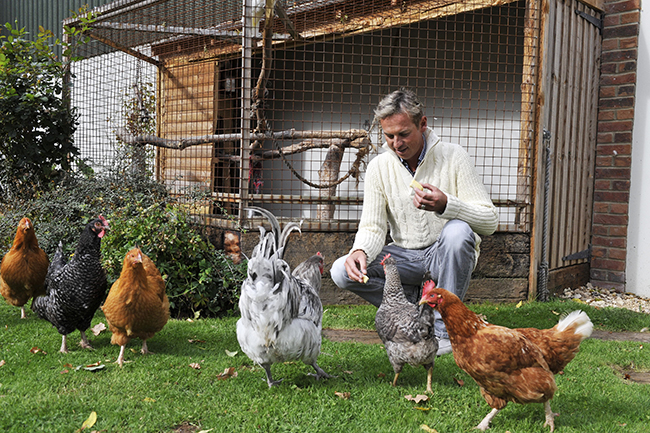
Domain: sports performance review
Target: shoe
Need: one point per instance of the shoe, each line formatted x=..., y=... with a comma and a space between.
x=444, y=346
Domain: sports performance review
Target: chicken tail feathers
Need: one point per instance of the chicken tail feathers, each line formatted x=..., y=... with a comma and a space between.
x=280, y=236
x=579, y=322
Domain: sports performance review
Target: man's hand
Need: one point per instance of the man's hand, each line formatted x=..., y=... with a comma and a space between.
x=355, y=265
x=430, y=199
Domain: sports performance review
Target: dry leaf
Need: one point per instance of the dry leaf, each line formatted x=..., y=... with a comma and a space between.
x=191, y=340
x=231, y=354
x=2, y=362
x=37, y=350
x=98, y=328
x=428, y=429
x=460, y=382
x=227, y=373
x=555, y=312
x=343, y=395
x=92, y=419
x=348, y=372
x=519, y=304
x=65, y=371
x=417, y=399
x=149, y=400
x=195, y=365
x=423, y=409
x=381, y=375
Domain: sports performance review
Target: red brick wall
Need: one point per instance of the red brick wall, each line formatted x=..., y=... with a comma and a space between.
x=614, y=146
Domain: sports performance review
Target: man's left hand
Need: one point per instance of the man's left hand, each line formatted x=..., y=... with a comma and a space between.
x=430, y=199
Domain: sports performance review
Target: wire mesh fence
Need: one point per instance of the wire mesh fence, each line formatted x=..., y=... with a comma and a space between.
x=270, y=103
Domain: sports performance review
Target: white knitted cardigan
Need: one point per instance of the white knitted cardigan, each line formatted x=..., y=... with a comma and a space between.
x=388, y=199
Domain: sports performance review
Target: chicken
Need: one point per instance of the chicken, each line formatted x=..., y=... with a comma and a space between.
x=137, y=305
x=74, y=289
x=23, y=268
x=515, y=365
x=405, y=329
x=281, y=312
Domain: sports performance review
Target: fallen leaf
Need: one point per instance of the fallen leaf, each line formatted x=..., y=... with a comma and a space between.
x=343, y=395
x=67, y=365
x=191, y=340
x=460, y=382
x=98, y=328
x=195, y=365
x=228, y=372
x=37, y=350
x=2, y=362
x=231, y=354
x=91, y=367
x=65, y=371
x=350, y=372
x=519, y=304
x=149, y=400
x=92, y=419
x=428, y=429
x=424, y=409
x=381, y=375
x=626, y=376
x=417, y=399
x=555, y=312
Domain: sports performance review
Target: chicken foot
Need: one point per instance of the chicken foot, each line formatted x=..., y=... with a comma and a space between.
x=269, y=379
x=120, y=358
x=64, y=345
x=550, y=415
x=84, y=341
x=485, y=424
x=144, y=350
x=22, y=312
x=320, y=374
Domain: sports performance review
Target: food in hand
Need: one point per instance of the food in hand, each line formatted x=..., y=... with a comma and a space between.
x=416, y=185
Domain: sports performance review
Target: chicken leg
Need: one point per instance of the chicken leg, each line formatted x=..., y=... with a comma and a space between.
x=550, y=416
x=485, y=424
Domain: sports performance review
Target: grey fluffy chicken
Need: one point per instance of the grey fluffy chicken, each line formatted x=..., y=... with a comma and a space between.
x=74, y=289
x=281, y=311
x=405, y=329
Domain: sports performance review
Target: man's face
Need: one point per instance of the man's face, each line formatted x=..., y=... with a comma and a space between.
x=403, y=136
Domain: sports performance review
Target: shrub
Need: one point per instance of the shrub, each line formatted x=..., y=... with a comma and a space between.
x=200, y=278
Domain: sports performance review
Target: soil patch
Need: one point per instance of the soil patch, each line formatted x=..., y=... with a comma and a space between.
x=370, y=337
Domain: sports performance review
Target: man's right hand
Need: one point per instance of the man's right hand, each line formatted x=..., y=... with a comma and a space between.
x=355, y=265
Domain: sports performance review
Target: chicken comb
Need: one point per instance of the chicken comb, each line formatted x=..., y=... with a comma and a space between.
x=384, y=259
x=429, y=285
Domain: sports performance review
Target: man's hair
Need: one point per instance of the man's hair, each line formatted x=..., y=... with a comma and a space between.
x=400, y=101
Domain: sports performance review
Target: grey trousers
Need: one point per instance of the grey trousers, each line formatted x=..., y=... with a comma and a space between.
x=450, y=260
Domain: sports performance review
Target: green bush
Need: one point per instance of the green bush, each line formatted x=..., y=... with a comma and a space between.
x=200, y=278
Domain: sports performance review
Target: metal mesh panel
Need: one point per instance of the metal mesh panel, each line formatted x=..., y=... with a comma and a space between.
x=270, y=126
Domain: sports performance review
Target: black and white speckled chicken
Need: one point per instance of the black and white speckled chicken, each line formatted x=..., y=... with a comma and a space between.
x=405, y=328
x=281, y=312
x=75, y=289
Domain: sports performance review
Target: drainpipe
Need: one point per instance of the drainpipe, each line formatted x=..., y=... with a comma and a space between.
x=542, y=272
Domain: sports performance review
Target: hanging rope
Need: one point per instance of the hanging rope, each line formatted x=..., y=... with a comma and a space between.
x=354, y=171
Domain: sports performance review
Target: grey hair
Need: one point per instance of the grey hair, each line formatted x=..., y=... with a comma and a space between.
x=400, y=101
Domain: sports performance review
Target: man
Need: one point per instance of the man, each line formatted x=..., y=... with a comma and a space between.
x=435, y=229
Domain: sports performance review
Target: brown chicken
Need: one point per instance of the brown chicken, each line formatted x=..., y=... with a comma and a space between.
x=515, y=365
x=23, y=268
x=137, y=305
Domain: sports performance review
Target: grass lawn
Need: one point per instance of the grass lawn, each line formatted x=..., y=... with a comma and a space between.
x=42, y=389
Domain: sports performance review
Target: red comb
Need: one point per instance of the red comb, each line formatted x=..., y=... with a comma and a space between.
x=384, y=259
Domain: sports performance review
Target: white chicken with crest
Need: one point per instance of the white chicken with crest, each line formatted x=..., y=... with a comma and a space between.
x=281, y=311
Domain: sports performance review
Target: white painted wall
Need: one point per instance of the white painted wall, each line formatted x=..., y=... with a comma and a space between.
x=638, y=235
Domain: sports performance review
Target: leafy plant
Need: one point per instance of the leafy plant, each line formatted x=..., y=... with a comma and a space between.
x=200, y=279
x=36, y=121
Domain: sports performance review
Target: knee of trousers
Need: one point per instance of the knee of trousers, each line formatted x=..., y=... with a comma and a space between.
x=457, y=235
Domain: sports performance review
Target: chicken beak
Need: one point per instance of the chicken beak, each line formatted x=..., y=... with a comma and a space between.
x=422, y=301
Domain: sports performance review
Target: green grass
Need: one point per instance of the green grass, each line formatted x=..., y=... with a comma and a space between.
x=156, y=393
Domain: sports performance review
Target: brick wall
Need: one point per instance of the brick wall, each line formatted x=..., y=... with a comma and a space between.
x=614, y=146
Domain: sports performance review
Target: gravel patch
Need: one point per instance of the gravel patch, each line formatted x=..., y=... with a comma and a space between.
x=600, y=298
